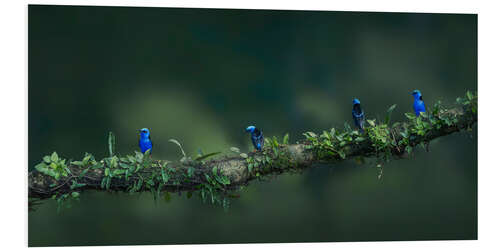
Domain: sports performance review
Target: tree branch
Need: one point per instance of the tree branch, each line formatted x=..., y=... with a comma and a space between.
x=216, y=179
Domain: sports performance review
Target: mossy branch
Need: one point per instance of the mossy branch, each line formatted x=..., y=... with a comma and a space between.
x=217, y=179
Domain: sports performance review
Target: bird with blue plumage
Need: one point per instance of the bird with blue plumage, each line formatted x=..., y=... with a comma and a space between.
x=145, y=142
x=256, y=136
x=358, y=115
x=418, y=102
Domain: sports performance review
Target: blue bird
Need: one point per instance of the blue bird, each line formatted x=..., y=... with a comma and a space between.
x=145, y=142
x=256, y=136
x=418, y=103
x=358, y=115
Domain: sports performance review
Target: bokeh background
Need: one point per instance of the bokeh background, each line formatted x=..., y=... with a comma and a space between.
x=202, y=75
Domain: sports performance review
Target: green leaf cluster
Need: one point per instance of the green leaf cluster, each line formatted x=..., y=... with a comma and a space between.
x=381, y=138
x=214, y=188
x=469, y=100
x=53, y=166
x=333, y=143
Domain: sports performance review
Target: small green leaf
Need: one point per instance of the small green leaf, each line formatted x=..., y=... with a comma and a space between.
x=113, y=162
x=214, y=170
x=53, y=165
x=46, y=159
x=124, y=165
x=359, y=139
x=235, y=149
x=111, y=144
x=117, y=172
x=54, y=157
x=224, y=180
x=347, y=127
x=139, y=184
x=131, y=159
x=310, y=134
x=410, y=116
x=76, y=185
x=87, y=158
x=77, y=163
x=275, y=141
x=164, y=176
x=389, y=113
x=470, y=96
x=103, y=182
x=325, y=135
x=341, y=154
x=75, y=194
x=391, y=108
x=371, y=122
x=268, y=159
x=243, y=155
x=106, y=172
x=139, y=157
x=201, y=157
x=178, y=144
x=285, y=139
x=108, y=182
x=404, y=134
x=41, y=167
x=332, y=132
x=409, y=149
x=150, y=183
x=190, y=172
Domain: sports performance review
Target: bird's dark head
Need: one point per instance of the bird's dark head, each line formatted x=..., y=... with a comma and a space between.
x=144, y=132
x=355, y=101
x=250, y=129
x=416, y=93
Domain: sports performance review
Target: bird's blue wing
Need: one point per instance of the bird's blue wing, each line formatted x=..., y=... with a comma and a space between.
x=423, y=104
x=358, y=116
x=258, y=139
x=361, y=120
x=419, y=106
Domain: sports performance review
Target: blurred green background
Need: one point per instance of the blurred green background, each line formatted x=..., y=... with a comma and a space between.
x=202, y=75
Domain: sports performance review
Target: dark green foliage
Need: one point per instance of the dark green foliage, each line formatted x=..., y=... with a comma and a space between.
x=53, y=166
x=389, y=113
x=332, y=144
